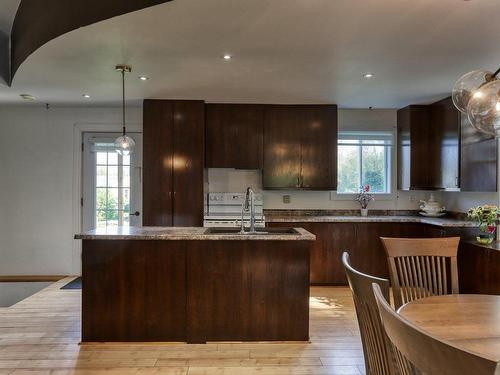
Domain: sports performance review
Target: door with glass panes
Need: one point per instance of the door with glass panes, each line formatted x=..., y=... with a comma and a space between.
x=112, y=185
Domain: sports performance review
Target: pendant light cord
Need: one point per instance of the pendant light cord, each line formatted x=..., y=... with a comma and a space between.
x=123, y=100
x=496, y=73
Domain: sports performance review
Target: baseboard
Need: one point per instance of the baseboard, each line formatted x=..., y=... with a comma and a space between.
x=30, y=278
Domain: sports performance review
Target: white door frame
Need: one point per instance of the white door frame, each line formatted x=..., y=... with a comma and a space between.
x=88, y=179
x=78, y=130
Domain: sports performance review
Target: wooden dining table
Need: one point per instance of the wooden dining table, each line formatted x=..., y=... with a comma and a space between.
x=466, y=321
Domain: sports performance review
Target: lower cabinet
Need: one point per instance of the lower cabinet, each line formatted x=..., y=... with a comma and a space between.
x=478, y=269
x=360, y=240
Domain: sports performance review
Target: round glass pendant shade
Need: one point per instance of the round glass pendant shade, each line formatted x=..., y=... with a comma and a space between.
x=124, y=145
x=466, y=86
x=483, y=109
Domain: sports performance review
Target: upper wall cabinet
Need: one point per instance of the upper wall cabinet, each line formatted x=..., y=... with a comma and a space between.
x=413, y=148
x=300, y=147
x=234, y=134
x=439, y=149
x=444, y=145
x=478, y=159
x=173, y=161
x=428, y=147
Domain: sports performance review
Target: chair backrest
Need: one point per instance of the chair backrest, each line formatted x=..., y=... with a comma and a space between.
x=413, y=347
x=421, y=267
x=376, y=349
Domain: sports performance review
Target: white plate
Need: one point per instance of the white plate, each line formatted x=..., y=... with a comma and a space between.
x=428, y=214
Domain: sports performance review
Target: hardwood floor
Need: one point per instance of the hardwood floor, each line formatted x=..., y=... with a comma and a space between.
x=40, y=336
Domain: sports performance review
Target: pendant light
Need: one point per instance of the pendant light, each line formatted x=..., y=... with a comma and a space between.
x=477, y=94
x=124, y=144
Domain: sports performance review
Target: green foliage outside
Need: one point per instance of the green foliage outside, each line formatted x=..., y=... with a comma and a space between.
x=373, y=159
x=107, y=207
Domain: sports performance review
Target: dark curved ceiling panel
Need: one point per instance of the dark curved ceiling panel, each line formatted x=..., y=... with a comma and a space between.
x=37, y=22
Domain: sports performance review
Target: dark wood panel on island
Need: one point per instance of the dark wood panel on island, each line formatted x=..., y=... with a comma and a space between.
x=195, y=290
x=248, y=291
x=133, y=290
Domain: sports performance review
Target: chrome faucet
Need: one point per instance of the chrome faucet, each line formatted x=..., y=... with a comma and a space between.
x=249, y=203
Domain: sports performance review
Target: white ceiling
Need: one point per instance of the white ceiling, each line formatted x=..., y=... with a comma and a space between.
x=285, y=51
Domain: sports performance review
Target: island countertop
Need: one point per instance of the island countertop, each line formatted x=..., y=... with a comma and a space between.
x=187, y=233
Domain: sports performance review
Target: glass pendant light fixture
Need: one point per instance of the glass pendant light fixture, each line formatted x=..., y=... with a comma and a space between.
x=477, y=94
x=124, y=144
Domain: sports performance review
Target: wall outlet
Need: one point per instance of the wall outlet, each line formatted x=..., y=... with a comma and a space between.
x=286, y=199
x=412, y=198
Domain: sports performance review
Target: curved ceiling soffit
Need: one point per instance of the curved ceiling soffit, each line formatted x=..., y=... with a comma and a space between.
x=38, y=22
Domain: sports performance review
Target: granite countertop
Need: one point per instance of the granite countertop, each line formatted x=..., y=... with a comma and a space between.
x=186, y=234
x=441, y=222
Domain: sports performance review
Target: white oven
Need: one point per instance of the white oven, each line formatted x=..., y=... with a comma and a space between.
x=224, y=210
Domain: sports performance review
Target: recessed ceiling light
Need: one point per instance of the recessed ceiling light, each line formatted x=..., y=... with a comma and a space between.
x=86, y=96
x=143, y=78
x=227, y=57
x=27, y=97
x=368, y=75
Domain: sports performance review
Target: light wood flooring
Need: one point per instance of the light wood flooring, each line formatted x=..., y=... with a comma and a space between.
x=40, y=336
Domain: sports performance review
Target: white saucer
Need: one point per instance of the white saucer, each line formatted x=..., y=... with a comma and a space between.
x=428, y=214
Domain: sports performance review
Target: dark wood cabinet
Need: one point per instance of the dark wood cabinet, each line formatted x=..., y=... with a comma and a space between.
x=478, y=266
x=173, y=162
x=444, y=143
x=282, y=147
x=300, y=147
x=478, y=269
x=360, y=240
x=413, y=148
x=478, y=159
x=428, y=146
x=234, y=134
x=157, y=171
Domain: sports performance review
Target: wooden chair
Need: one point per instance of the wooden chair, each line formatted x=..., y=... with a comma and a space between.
x=414, y=349
x=376, y=349
x=421, y=267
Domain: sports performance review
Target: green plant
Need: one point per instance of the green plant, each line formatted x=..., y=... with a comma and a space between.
x=486, y=216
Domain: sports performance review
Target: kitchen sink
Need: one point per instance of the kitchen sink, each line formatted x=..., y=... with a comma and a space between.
x=259, y=231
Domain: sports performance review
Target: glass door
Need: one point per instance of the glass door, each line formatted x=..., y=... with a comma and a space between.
x=112, y=183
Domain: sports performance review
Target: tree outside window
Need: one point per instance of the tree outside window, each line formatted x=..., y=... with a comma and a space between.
x=364, y=159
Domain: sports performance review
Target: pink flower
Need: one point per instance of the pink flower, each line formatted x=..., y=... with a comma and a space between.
x=367, y=188
x=492, y=228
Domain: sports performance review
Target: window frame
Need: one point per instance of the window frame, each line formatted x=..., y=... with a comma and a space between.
x=390, y=161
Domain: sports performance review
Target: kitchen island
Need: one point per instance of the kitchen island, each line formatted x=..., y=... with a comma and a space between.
x=195, y=285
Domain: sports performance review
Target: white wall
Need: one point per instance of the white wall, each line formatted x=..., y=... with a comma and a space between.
x=461, y=202
x=37, y=187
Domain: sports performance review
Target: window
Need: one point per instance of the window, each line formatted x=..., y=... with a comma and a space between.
x=364, y=158
x=112, y=195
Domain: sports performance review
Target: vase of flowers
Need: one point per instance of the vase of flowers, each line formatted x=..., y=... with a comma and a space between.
x=487, y=218
x=363, y=198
